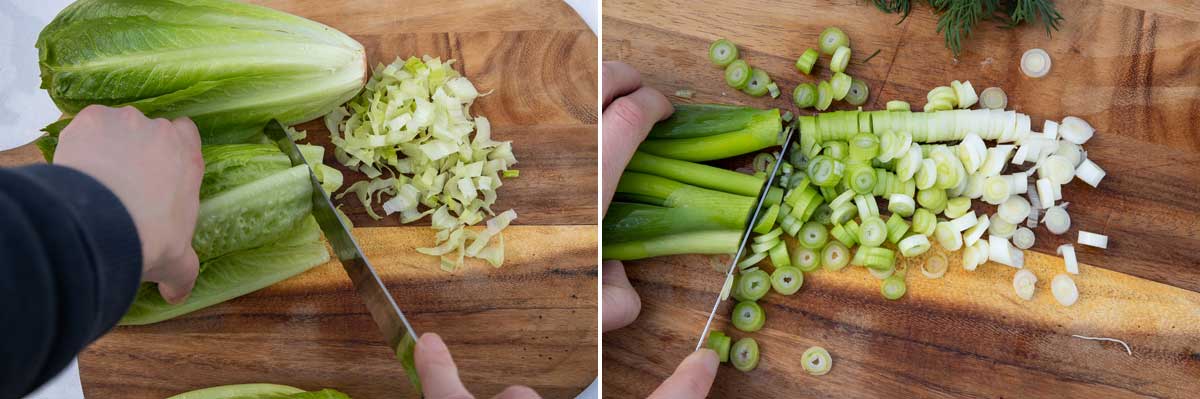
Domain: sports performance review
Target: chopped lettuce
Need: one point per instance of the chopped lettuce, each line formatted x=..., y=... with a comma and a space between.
x=413, y=120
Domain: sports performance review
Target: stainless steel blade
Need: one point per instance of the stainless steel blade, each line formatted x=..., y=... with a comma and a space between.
x=762, y=196
x=387, y=315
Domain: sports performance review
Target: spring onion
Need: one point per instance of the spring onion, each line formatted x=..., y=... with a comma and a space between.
x=1057, y=220
x=1045, y=192
x=1023, y=283
x=873, y=231
x=998, y=227
x=825, y=171
x=996, y=189
x=737, y=74
x=805, y=95
x=840, y=59
x=719, y=342
x=893, y=287
x=859, y=91
x=824, y=95
x=878, y=258
x=881, y=274
x=1075, y=130
x=923, y=221
x=897, y=105
x=974, y=188
x=997, y=156
x=779, y=255
x=1013, y=210
x=1073, y=152
x=957, y=206
x=722, y=52
x=839, y=85
x=975, y=255
x=1057, y=169
x=1064, y=290
x=831, y=38
x=773, y=89
x=972, y=152
x=975, y=232
x=806, y=61
x=816, y=361
x=697, y=242
x=813, y=235
x=866, y=206
x=754, y=284
x=835, y=256
x=1035, y=63
x=757, y=86
x=843, y=235
x=771, y=236
x=747, y=262
x=993, y=98
x=965, y=93
x=1069, y=262
x=837, y=149
x=744, y=354
x=948, y=236
x=964, y=222
x=1089, y=172
x=747, y=315
x=935, y=267
x=933, y=199
x=926, y=176
x=903, y=205
x=1093, y=240
x=806, y=259
x=896, y=227
x=787, y=280
x=1002, y=252
x=1023, y=238
x=913, y=245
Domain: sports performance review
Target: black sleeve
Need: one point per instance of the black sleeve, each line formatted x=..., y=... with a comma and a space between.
x=70, y=264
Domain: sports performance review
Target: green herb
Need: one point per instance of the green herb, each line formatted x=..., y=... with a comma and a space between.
x=959, y=17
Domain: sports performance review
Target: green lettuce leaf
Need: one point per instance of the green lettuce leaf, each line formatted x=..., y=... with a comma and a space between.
x=231, y=165
x=236, y=274
x=259, y=391
x=231, y=67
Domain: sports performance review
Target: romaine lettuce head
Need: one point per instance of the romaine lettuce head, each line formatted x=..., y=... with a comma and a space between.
x=231, y=67
x=236, y=274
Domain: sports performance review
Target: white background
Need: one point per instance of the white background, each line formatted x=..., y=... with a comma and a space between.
x=25, y=109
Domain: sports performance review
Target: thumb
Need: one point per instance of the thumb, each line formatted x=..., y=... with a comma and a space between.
x=176, y=279
x=692, y=378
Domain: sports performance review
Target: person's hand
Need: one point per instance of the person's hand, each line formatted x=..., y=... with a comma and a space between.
x=630, y=110
x=439, y=375
x=154, y=167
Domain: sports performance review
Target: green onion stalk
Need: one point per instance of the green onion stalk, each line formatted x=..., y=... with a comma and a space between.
x=708, y=132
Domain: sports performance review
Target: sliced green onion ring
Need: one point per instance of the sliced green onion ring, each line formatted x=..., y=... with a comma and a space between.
x=948, y=237
x=897, y=105
x=754, y=284
x=859, y=91
x=1057, y=220
x=993, y=98
x=752, y=260
x=913, y=245
x=825, y=171
x=806, y=61
x=935, y=266
x=839, y=85
x=787, y=280
x=722, y=52
x=933, y=199
x=861, y=178
x=1023, y=238
x=1035, y=63
x=873, y=231
x=957, y=206
x=923, y=221
x=901, y=204
x=831, y=38
x=1064, y=290
x=719, y=342
x=748, y=316
x=835, y=256
x=805, y=95
x=824, y=95
x=840, y=59
x=1023, y=283
x=896, y=227
x=737, y=74
x=813, y=235
x=893, y=287
x=806, y=259
x=757, y=86
x=816, y=361
x=772, y=236
x=744, y=354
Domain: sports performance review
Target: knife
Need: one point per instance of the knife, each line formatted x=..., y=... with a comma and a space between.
x=762, y=197
x=387, y=315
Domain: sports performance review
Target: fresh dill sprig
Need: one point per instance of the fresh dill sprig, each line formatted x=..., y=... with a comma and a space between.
x=959, y=17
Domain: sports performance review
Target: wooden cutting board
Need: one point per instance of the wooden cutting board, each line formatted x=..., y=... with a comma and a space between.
x=532, y=322
x=1131, y=68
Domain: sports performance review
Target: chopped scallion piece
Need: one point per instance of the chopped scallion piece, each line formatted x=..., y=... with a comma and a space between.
x=1023, y=283
x=805, y=95
x=759, y=83
x=722, y=52
x=816, y=361
x=840, y=59
x=1092, y=239
x=1035, y=63
x=744, y=354
x=1064, y=290
x=831, y=38
x=835, y=256
x=737, y=74
x=806, y=61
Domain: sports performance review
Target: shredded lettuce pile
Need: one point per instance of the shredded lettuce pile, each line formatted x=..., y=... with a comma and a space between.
x=413, y=122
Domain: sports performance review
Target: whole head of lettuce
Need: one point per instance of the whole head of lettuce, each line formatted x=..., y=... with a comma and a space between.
x=231, y=67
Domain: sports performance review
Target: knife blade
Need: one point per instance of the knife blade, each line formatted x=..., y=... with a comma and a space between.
x=753, y=219
x=370, y=288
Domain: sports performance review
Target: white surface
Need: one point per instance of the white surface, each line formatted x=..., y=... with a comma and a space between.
x=25, y=109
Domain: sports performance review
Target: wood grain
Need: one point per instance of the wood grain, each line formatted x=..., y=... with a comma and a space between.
x=1132, y=69
x=532, y=322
